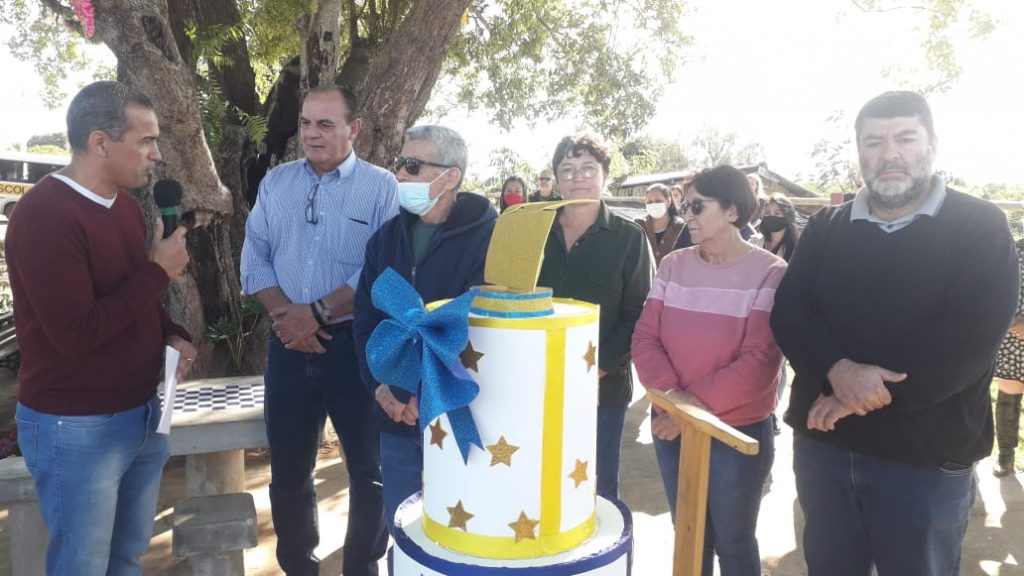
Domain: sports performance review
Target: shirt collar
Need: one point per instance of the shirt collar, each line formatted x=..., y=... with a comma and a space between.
x=860, y=210
x=343, y=170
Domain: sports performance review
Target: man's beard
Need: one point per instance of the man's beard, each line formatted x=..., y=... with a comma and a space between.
x=893, y=194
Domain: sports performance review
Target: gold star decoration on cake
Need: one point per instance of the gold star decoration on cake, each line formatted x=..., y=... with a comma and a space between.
x=437, y=434
x=524, y=527
x=458, y=516
x=591, y=356
x=470, y=357
x=501, y=453
x=580, y=473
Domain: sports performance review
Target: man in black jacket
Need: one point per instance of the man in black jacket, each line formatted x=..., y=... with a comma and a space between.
x=438, y=242
x=891, y=312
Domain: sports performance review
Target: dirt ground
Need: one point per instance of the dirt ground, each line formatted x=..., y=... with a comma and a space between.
x=993, y=545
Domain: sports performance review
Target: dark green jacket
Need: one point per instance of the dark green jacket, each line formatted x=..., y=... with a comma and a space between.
x=610, y=265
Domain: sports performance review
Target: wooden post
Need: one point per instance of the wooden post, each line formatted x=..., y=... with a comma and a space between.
x=698, y=428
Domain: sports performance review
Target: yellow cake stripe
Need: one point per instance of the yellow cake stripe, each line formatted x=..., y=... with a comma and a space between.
x=554, y=412
x=506, y=548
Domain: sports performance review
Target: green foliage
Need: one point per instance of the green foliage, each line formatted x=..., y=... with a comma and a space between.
x=944, y=26
x=56, y=139
x=235, y=332
x=46, y=41
x=48, y=149
x=649, y=155
x=271, y=35
x=213, y=109
x=711, y=147
x=834, y=169
x=538, y=59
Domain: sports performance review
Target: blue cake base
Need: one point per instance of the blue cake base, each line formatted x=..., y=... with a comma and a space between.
x=608, y=553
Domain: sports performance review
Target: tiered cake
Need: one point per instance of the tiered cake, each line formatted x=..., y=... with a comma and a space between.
x=525, y=505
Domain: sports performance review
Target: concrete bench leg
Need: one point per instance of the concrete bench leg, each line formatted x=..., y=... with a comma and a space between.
x=28, y=539
x=207, y=475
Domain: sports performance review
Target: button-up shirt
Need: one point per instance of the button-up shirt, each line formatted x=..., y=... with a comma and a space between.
x=610, y=265
x=860, y=210
x=308, y=261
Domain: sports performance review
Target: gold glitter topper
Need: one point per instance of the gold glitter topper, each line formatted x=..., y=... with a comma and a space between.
x=517, y=245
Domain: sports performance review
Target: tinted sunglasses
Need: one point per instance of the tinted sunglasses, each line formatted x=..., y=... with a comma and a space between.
x=695, y=206
x=412, y=165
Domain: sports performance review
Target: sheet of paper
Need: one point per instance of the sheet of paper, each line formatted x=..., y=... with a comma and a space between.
x=170, y=387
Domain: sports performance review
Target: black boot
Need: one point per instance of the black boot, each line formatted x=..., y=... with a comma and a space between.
x=1007, y=425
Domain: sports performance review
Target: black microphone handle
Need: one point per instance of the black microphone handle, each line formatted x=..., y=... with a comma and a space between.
x=170, y=221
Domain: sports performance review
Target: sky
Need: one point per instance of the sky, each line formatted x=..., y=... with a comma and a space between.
x=772, y=72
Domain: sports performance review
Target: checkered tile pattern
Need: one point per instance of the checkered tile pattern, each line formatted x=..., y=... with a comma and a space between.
x=219, y=398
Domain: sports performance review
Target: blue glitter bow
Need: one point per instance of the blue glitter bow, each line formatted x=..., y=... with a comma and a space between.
x=419, y=352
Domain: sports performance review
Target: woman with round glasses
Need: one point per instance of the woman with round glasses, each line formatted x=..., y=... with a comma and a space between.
x=513, y=191
x=662, y=223
x=704, y=338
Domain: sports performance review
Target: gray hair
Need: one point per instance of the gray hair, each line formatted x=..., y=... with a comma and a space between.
x=102, y=106
x=451, y=148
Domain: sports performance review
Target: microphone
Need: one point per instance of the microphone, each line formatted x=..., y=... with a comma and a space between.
x=167, y=194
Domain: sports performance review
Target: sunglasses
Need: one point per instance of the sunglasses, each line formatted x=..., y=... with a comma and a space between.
x=311, y=215
x=695, y=206
x=412, y=165
x=546, y=178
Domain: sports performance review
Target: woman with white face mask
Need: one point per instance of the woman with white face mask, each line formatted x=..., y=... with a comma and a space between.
x=662, y=223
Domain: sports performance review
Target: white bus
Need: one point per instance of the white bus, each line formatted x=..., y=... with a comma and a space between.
x=20, y=170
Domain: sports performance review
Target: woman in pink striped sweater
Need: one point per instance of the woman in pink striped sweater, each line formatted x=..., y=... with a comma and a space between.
x=704, y=338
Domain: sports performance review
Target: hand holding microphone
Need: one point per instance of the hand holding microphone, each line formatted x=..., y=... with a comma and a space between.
x=168, y=248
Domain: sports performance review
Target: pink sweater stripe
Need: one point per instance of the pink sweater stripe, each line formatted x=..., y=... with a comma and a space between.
x=704, y=329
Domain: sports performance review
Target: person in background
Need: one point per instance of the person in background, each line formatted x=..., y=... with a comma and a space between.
x=1009, y=378
x=676, y=192
x=594, y=255
x=704, y=338
x=546, y=188
x=778, y=227
x=513, y=191
x=662, y=223
x=92, y=331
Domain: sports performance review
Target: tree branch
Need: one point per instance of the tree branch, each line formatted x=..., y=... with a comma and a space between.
x=867, y=9
x=66, y=15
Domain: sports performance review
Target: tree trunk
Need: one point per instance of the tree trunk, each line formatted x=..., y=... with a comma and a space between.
x=402, y=76
x=138, y=33
x=320, y=56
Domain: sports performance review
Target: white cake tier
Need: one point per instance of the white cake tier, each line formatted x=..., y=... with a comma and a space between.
x=609, y=551
x=530, y=492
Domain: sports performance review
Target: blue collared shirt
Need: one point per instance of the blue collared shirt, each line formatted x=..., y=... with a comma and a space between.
x=308, y=261
x=860, y=210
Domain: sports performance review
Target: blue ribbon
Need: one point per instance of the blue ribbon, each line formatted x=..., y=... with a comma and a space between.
x=419, y=352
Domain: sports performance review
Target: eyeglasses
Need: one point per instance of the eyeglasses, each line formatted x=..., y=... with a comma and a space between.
x=545, y=178
x=695, y=206
x=311, y=215
x=412, y=165
x=584, y=173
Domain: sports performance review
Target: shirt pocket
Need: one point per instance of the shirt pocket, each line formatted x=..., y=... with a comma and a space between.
x=349, y=238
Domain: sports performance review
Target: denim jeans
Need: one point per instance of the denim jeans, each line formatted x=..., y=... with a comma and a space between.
x=97, y=478
x=610, y=420
x=735, y=485
x=862, y=511
x=301, y=391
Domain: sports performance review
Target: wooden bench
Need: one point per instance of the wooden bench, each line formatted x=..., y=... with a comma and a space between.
x=10, y=352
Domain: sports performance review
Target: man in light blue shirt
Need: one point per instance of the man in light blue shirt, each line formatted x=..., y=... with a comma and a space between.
x=304, y=247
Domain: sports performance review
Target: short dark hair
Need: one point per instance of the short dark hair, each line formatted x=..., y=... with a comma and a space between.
x=102, y=106
x=896, y=104
x=501, y=194
x=582, y=143
x=346, y=93
x=729, y=186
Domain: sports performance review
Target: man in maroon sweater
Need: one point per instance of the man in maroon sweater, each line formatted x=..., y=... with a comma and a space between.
x=92, y=334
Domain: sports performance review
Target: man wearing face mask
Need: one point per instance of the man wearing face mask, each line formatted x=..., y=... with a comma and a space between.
x=304, y=245
x=438, y=243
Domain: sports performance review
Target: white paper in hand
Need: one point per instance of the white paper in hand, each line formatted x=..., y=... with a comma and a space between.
x=171, y=356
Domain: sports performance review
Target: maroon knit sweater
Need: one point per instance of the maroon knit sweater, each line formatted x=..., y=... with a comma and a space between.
x=86, y=303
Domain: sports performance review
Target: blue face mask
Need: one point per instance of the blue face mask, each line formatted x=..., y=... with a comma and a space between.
x=415, y=196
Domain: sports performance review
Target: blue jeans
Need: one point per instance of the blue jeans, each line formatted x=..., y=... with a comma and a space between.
x=97, y=478
x=610, y=421
x=735, y=485
x=861, y=510
x=301, y=391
